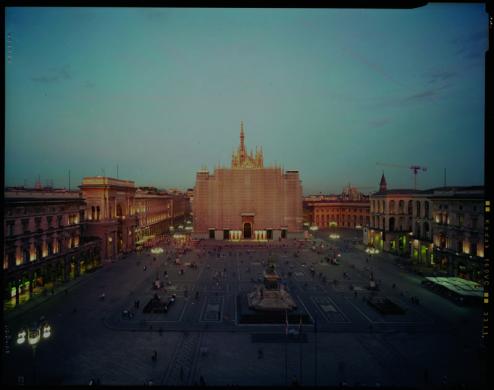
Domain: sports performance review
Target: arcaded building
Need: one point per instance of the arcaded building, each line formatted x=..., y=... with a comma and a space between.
x=44, y=242
x=110, y=213
x=247, y=201
x=442, y=228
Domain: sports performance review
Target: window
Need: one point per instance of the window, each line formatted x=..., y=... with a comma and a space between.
x=25, y=254
x=473, y=248
x=49, y=220
x=460, y=219
x=59, y=220
x=410, y=207
x=25, y=225
x=10, y=228
x=417, y=205
x=37, y=222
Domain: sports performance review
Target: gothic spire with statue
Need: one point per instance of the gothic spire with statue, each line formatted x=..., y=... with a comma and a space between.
x=242, y=159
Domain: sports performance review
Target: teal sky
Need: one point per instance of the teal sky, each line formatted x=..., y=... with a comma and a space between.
x=161, y=92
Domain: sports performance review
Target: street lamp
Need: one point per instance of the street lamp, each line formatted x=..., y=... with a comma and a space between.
x=35, y=334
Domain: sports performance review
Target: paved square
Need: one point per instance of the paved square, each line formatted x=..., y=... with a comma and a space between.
x=200, y=336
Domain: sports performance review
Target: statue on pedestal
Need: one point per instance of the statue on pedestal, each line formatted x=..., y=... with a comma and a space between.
x=271, y=296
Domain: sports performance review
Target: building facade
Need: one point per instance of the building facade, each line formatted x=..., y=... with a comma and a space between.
x=458, y=230
x=154, y=214
x=350, y=209
x=247, y=201
x=441, y=228
x=44, y=242
x=111, y=214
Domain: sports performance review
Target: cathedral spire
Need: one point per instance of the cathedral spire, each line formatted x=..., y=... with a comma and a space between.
x=382, y=184
x=242, y=136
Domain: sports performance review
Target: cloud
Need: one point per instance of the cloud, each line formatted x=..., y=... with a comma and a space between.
x=425, y=94
x=441, y=75
x=471, y=46
x=376, y=68
x=54, y=75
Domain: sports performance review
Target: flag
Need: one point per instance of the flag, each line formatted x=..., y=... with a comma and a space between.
x=286, y=323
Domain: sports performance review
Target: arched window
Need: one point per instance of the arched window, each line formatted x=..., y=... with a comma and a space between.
x=417, y=211
x=97, y=213
x=391, y=224
x=426, y=209
x=92, y=213
x=426, y=229
x=417, y=229
x=410, y=207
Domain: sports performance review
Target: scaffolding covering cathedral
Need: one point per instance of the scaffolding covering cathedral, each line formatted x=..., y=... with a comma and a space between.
x=247, y=201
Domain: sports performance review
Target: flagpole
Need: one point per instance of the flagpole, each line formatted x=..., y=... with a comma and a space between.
x=286, y=354
x=300, y=350
x=315, y=351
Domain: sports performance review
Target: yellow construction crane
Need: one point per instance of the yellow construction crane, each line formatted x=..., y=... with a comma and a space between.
x=414, y=168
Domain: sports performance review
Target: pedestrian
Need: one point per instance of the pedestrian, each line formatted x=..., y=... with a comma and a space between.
x=202, y=381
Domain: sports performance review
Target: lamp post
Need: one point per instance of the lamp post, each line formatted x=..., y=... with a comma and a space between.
x=34, y=335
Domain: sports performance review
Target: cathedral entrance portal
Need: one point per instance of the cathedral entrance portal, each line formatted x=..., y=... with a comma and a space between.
x=247, y=223
x=247, y=231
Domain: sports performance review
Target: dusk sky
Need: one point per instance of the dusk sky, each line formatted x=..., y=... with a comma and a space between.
x=161, y=93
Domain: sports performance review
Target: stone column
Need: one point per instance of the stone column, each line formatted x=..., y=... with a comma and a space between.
x=31, y=280
x=66, y=268
x=16, y=291
x=78, y=266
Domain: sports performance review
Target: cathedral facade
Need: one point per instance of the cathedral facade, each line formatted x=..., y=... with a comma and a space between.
x=247, y=201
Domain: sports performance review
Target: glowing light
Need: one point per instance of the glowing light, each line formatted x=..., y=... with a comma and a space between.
x=314, y=228
x=33, y=336
x=334, y=236
x=46, y=331
x=358, y=227
x=157, y=251
x=21, y=337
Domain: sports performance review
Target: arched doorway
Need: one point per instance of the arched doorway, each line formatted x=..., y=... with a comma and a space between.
x=247, y=230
